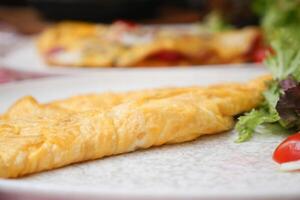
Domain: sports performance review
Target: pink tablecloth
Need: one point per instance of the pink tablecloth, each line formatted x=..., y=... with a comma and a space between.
x=8, y=75
x=10, y=40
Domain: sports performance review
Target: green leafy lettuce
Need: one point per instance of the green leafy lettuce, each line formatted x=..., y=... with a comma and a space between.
x=277, y=14
x=283, y=63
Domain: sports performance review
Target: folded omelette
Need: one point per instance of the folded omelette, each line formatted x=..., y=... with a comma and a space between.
x=80, y=44
x=36, y=137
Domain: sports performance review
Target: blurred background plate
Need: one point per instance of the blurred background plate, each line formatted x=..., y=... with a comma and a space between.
x=26, y=58
x=212, y=167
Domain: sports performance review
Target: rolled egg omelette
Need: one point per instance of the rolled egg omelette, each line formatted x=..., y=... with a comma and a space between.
x=36, y=137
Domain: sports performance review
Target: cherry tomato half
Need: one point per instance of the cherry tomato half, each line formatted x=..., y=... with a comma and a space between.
x=288, y=150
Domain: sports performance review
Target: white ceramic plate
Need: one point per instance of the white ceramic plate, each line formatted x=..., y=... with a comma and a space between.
x=212, y=167
x=26, y=58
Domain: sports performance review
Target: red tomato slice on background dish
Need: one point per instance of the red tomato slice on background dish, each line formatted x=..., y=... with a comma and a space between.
x=167, y=55
x=288, y=153
x=260, y=53
x=127, y=23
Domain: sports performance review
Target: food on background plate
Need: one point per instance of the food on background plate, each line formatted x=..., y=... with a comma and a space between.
x=35, y=137
x=123, y=44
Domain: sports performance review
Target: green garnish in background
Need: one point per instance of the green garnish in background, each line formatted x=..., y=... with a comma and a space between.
x=277, y=14
x=214, y=22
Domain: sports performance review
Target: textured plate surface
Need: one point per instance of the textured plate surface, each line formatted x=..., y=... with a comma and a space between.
x=211, y=167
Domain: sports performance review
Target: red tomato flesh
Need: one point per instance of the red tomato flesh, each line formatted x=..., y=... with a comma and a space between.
x=288, y=150
x=167, y=55
x=259, y=55
x=127, y=23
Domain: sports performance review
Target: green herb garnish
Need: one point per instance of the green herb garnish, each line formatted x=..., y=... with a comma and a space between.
x=281, y=106
x=277, y=14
